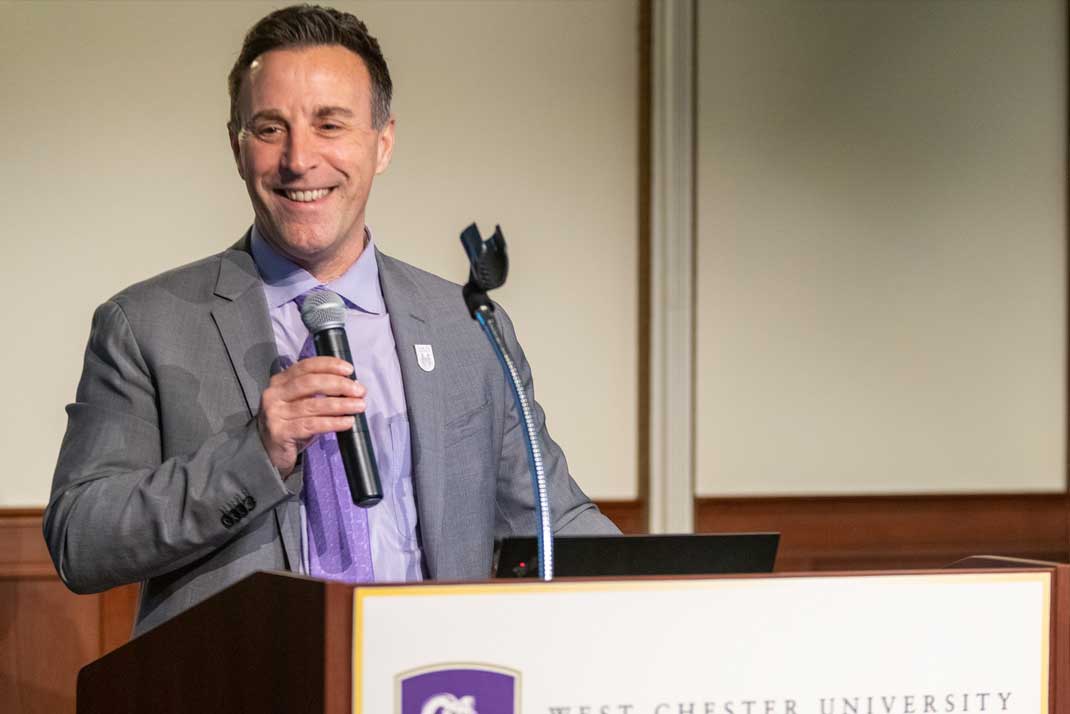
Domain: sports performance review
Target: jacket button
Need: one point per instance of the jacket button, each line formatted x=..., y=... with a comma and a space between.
x=250, y=502
x=227, y=520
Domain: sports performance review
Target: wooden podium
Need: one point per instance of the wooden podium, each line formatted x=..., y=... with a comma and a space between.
x=284, y=643
x=271, y=643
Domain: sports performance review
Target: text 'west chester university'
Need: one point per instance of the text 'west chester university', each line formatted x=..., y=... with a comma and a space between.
x=947, y=703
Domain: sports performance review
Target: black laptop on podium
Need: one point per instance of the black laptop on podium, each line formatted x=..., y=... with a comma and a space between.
x=589, y=556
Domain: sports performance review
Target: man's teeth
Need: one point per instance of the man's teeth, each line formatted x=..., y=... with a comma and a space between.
x=305, y=196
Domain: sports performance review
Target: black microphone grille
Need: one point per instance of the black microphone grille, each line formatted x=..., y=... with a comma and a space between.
x=323, y=310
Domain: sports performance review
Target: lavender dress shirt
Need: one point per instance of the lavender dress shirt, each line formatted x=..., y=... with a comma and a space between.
x=396, y=555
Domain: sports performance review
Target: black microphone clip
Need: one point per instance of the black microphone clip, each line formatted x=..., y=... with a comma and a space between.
x=488, y=267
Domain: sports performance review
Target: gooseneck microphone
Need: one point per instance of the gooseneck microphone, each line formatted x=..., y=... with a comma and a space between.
x=488, y=268
x=323, y=313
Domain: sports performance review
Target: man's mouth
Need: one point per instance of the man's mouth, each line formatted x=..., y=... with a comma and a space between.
x=303, y=195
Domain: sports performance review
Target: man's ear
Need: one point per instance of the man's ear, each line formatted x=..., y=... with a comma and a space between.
x=235, y=147
x=385, y=146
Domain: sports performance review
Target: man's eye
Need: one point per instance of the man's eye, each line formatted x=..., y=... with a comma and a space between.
x=268, y=132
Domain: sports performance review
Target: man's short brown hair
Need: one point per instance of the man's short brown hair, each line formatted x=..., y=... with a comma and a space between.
x=308, y=26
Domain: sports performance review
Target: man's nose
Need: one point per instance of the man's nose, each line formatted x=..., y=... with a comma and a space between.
x=299, y=156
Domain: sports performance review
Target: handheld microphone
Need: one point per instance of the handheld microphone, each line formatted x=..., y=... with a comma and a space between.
x=323, y=313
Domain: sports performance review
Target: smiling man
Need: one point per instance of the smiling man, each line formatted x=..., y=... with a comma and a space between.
x=201, y=448
x=309, y=138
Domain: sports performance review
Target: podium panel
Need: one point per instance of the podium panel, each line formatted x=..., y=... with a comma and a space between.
x=919, y=643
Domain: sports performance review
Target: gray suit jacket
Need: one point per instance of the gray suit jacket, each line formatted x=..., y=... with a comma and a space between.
x=162, y=444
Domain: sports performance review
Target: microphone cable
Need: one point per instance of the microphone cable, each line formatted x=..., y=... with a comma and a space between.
x=544, y=533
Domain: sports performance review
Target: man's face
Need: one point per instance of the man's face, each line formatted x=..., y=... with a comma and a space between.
x=308, y=152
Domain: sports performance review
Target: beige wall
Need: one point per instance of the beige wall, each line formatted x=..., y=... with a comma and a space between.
x=881, y=218
x=116, y=166
x=881, y=255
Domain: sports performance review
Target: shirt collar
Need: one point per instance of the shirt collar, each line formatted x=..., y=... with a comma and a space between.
x=284, y=280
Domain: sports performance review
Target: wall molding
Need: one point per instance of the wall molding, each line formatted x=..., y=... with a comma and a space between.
x=672, y=250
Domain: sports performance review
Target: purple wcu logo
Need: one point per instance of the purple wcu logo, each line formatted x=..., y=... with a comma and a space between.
x=459, y=689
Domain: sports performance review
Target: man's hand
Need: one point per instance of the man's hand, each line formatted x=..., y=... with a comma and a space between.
x=314, y=396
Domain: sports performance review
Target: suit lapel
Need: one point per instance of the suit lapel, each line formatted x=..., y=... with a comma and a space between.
x=410, y=323
x=241, y=315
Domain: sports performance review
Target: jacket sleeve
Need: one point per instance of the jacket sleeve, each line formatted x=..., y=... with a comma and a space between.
x=118, y=512
x=571, y=510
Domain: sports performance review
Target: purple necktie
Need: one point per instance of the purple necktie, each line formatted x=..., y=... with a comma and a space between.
x=339, y=546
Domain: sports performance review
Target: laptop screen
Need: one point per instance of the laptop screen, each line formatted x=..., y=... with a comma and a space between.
x=701, y=554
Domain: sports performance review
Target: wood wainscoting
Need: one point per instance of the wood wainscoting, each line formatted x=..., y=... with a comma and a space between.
x=828, y=533
x=48, y=633
x=896, y=532
x=627, y=515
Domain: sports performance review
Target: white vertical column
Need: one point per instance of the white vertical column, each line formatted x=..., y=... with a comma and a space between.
x=672, y=257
